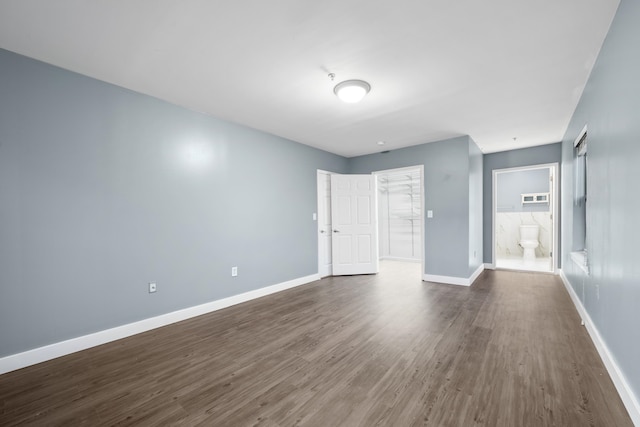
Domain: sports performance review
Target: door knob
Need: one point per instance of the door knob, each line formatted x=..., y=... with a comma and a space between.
x=336, y=231
x=322, y=231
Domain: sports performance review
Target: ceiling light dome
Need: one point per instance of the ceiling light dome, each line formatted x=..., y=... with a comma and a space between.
x=352, y=91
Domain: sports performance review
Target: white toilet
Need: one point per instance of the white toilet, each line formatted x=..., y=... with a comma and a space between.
x=529, y=242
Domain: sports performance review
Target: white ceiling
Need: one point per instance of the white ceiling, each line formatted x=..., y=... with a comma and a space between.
x=493, y=69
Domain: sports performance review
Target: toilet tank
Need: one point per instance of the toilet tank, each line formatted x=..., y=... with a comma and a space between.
x=529, y=232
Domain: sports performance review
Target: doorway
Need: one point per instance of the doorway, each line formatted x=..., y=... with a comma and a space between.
x=400, y=215
x=399, y=198
x=325, y=267
x=525, y=219
x=347, y=224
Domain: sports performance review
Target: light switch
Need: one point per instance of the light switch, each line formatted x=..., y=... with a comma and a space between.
x=315, y=216
x=429, y=214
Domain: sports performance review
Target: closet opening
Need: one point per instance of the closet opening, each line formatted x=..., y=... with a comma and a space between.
x=400, y=202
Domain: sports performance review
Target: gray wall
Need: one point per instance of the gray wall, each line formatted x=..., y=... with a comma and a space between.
x=610, y=106
x=511, y=186
x=446, y=181
x=103, y=190
x=551, y=153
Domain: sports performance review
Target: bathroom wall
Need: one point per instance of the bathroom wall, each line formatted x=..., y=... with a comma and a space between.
x=511, y=185
x=508, y=232
x=512, y=212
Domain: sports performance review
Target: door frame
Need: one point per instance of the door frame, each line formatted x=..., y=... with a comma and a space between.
x=555, y=187
x=318, y=204
x=420, y=169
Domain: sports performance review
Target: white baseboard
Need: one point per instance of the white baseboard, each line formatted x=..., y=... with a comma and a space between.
x=489, y=266
x=52, y=351
x=624, y=390
x=450, y=280
x=475, y=274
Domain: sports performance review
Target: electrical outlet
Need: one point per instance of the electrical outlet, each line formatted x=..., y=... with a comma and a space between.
x=152, y=287
x=234, y=271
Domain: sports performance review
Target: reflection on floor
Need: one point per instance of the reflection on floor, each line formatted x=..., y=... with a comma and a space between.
x=516, y=263
x=409, y=269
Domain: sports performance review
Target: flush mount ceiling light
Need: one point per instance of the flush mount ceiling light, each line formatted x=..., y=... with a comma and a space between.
x=351, y=91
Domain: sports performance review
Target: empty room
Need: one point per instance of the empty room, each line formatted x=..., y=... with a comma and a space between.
x=300, y=213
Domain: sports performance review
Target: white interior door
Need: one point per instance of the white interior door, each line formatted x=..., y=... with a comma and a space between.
x=324, y=224
x=354, y=226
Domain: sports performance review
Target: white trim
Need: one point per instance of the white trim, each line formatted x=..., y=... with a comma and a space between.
x=554, y=171
x=629, y=400
x=63, y=348
x=580, y=259
x=450, y=280
x=318, y=225
x=475, y=274
x=527, y=167
x=489, y=266
x=580, y=135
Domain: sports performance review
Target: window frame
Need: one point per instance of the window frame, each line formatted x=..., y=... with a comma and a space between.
x=580, y=197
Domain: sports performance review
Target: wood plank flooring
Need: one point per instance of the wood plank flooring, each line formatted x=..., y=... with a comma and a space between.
x=384, y=350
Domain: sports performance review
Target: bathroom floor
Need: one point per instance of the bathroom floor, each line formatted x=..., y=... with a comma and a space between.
x=516, y=263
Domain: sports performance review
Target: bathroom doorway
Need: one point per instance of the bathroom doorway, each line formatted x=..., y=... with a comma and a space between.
x=525, y=218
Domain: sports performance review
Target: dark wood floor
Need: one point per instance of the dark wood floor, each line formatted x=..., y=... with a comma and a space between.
x=385, y=350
